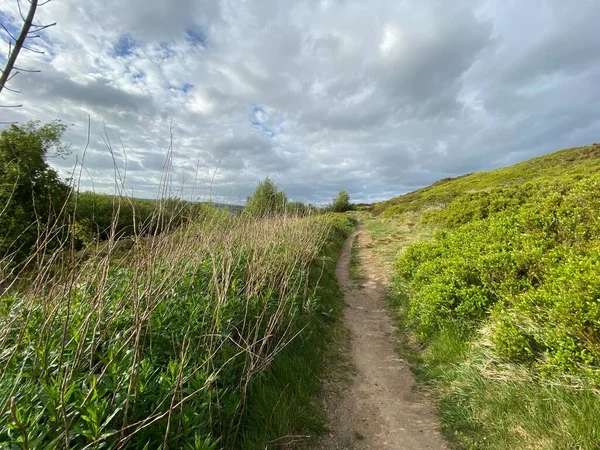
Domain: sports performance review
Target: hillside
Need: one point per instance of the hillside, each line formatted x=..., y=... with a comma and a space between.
x=497, y=277
x=572, y=163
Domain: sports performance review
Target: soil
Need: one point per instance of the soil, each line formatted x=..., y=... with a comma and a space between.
x=377, y=406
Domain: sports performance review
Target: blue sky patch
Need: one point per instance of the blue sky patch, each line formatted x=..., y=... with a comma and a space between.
x=124, y=46
x=260, y=116
x=196, y=36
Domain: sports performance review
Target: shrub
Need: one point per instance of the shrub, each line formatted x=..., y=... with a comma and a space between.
x=341, y=203
x=526, y=261
x=267, y=200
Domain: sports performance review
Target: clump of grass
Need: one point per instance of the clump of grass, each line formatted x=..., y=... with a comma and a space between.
x=175, y=343
x=358, y=435
x=356, y=270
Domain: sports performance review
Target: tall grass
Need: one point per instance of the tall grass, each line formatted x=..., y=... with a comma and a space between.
x=162, y=343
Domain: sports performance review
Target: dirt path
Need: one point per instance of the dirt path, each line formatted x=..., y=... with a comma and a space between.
x=378, y=407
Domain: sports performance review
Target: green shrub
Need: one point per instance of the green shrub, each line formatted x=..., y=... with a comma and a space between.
x=267, y=200
x=526, y=261
x=341, y=203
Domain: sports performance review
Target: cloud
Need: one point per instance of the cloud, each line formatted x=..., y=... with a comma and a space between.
x=376, y=98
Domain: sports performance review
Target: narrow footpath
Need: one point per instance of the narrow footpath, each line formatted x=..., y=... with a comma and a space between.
x=377, y=407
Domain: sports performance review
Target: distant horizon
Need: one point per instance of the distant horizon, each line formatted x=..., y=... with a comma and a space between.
x=224, y=202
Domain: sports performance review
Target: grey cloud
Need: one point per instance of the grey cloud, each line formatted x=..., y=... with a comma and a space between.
x=378, y=98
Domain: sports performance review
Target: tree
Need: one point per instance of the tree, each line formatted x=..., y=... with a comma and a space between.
x=266, y=200
x=341, y=203
x=31, y=192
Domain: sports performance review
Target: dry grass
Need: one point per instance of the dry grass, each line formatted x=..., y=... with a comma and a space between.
x=156, y=343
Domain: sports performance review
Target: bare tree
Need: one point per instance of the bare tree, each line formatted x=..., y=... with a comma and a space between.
x=29, y=30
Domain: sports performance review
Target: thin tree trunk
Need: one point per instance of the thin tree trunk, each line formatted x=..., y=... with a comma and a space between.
x=18, y=44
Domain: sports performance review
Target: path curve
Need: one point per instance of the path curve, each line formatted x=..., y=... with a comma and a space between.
x=378, y=408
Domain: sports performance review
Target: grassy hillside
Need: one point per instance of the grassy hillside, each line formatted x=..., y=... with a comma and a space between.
x=505, y=300
x=208, y=336
x=569, y=163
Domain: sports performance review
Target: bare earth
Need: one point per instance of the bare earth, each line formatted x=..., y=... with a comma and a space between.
x=378, y=407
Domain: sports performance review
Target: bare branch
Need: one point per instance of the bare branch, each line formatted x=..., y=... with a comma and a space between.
x=20, y=11
x=19, y=42
x=10, y=106
x=33, y=50
x=8, y=32
x=26, y=70
x=12, y=90
x=41, y=27
x=13, y=75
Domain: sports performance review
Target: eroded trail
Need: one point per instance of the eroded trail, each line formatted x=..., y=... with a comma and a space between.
x=378, y=407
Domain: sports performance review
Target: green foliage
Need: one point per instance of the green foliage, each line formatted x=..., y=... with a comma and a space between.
x=31, y=192
x=180, y=343
x=297, y=209
x=341, y=203
x=102, y=215
x=505, y=299
x=524, y=259
x=267, y=200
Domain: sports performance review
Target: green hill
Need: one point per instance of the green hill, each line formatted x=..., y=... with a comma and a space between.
x=504, y=297
x=570, y=163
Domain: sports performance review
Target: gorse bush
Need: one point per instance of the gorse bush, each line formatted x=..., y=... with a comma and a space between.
x=522, y=261
x=162, y=347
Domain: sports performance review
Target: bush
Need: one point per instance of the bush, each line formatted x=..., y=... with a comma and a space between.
x=267, y=200
x=341, y=203
x=526, y=261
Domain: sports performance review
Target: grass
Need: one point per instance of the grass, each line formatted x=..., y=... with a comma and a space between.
x=390, y=237
x=284, y=407
x=356, y=271
x=576, y=162
x=212, y=335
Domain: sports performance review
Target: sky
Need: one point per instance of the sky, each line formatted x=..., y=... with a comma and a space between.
x=374, y=97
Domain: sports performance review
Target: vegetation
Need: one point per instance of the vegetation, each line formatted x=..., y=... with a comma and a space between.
x=505, y=299
x=32, y=196
x=356, y=270
x=573, y=163
x=174, y=344
x=267, y=200
x=99, y=215
x=207, y=331
x=341, y=203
